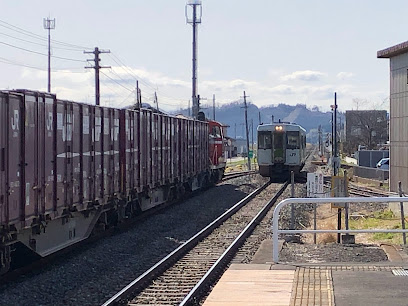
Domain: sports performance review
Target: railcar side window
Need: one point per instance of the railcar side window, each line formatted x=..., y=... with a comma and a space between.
x=292, y=140
x=265, y=140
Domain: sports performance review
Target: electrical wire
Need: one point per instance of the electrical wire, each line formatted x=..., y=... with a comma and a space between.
x=38, y=44
x=115, y=81
x=15, y=63
x=39, y=37
x=118, y=61
x=39, y=53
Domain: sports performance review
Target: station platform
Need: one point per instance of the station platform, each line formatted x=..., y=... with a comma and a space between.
x=295, y=284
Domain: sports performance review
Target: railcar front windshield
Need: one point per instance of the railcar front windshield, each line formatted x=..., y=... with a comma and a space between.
x=216, y=132
x=292, y=140
x=264, y=140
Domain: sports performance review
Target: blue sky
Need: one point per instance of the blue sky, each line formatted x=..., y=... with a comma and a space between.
x=278, y=51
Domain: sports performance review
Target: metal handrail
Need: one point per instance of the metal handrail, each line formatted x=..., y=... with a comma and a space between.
x=311, y=201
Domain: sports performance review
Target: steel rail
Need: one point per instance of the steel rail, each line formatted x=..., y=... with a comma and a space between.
x=143, y=280
x=225, y=258
x=233, y=175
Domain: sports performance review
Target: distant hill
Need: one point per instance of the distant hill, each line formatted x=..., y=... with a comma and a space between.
x=233, y=115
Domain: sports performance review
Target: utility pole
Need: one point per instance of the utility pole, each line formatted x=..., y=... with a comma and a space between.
x=320, y=140
x=214, y=107
x=335, y=153
x=259, y=117
x=49, y=24
x=194, y=21
x=235, y=131
x=252, y=129
x=156, y=101
x=138, y=96
x=335, y=158
x=247, y=132
x=96, y=52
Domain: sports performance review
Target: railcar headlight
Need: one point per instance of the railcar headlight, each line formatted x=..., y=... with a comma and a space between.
x=278, y=128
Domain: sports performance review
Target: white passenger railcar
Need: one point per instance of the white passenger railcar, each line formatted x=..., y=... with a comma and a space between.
x=281, y=149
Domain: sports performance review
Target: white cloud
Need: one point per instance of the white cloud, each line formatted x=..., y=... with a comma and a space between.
x=282, y=90
x=344, y=75
x=305, y=75
x=173, y=93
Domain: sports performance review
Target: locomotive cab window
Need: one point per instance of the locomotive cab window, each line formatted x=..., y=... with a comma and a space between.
x=216, y=132
x=265, y=140
x=292, y=140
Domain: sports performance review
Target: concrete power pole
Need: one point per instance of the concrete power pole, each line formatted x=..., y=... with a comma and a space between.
x=194, y=21
x=247, y=132
x=96, y=52
x=214, y=107
x=320, y=140
x=49, y=24
x=156, y=100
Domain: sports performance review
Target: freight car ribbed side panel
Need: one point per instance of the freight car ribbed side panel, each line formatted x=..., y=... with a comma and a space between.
x=174, y=149
x=13, y=158
x=115, y=148
x=64, y=138
x=190, y=148
x=3, y=137
x=74, y=163
x=30, y=158
x=40, y=132
x=87, y=154
x=106, y=123
x=166, y=150
x=109, y=153
x=48, y=154
x=155, y=149
x=137, y=150
x=143, y=127
x=98, y=153
x=160, y=136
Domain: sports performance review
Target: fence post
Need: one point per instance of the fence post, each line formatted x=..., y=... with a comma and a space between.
x=346, y=206
x=404, y=236
x=292, y=195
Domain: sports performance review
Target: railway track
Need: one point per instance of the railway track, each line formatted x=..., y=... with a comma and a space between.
x=366, y=192
x=360, y=191
x=232, y=175
x=185, y=275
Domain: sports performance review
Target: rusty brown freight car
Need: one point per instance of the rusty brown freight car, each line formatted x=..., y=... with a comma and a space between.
x=67, y=168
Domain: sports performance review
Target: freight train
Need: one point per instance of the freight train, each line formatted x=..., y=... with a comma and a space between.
x=281, y=149
x=69, y=168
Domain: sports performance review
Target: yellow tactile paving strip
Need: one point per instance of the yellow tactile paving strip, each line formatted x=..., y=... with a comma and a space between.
x=312, y=287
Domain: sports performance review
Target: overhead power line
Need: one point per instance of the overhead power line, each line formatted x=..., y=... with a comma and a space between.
x=113, y=80
x=15, y=63
x=43, y=54
x=39, y=37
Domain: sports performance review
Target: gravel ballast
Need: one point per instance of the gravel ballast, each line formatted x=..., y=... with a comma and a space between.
x=333, y=252
x=92, y=275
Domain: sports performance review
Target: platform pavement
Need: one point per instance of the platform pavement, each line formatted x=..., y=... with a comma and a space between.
x=265, y=283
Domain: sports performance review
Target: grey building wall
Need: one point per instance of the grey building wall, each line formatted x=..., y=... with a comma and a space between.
x=399, y=121
x=370, y=158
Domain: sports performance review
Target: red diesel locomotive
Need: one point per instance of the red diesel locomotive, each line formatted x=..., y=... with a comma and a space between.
x=67, y=168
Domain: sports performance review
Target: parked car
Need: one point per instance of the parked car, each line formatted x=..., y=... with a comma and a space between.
x=384, y=164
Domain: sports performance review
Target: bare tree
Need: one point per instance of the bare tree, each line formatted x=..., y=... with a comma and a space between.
x=368, y=128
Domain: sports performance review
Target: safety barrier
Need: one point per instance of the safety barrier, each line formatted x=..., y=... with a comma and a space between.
x=310, y=201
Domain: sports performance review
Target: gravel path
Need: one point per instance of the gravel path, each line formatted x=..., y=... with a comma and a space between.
x=91, y=276
x=309, y=253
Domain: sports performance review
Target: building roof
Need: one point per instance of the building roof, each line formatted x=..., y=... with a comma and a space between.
x=393, y=51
